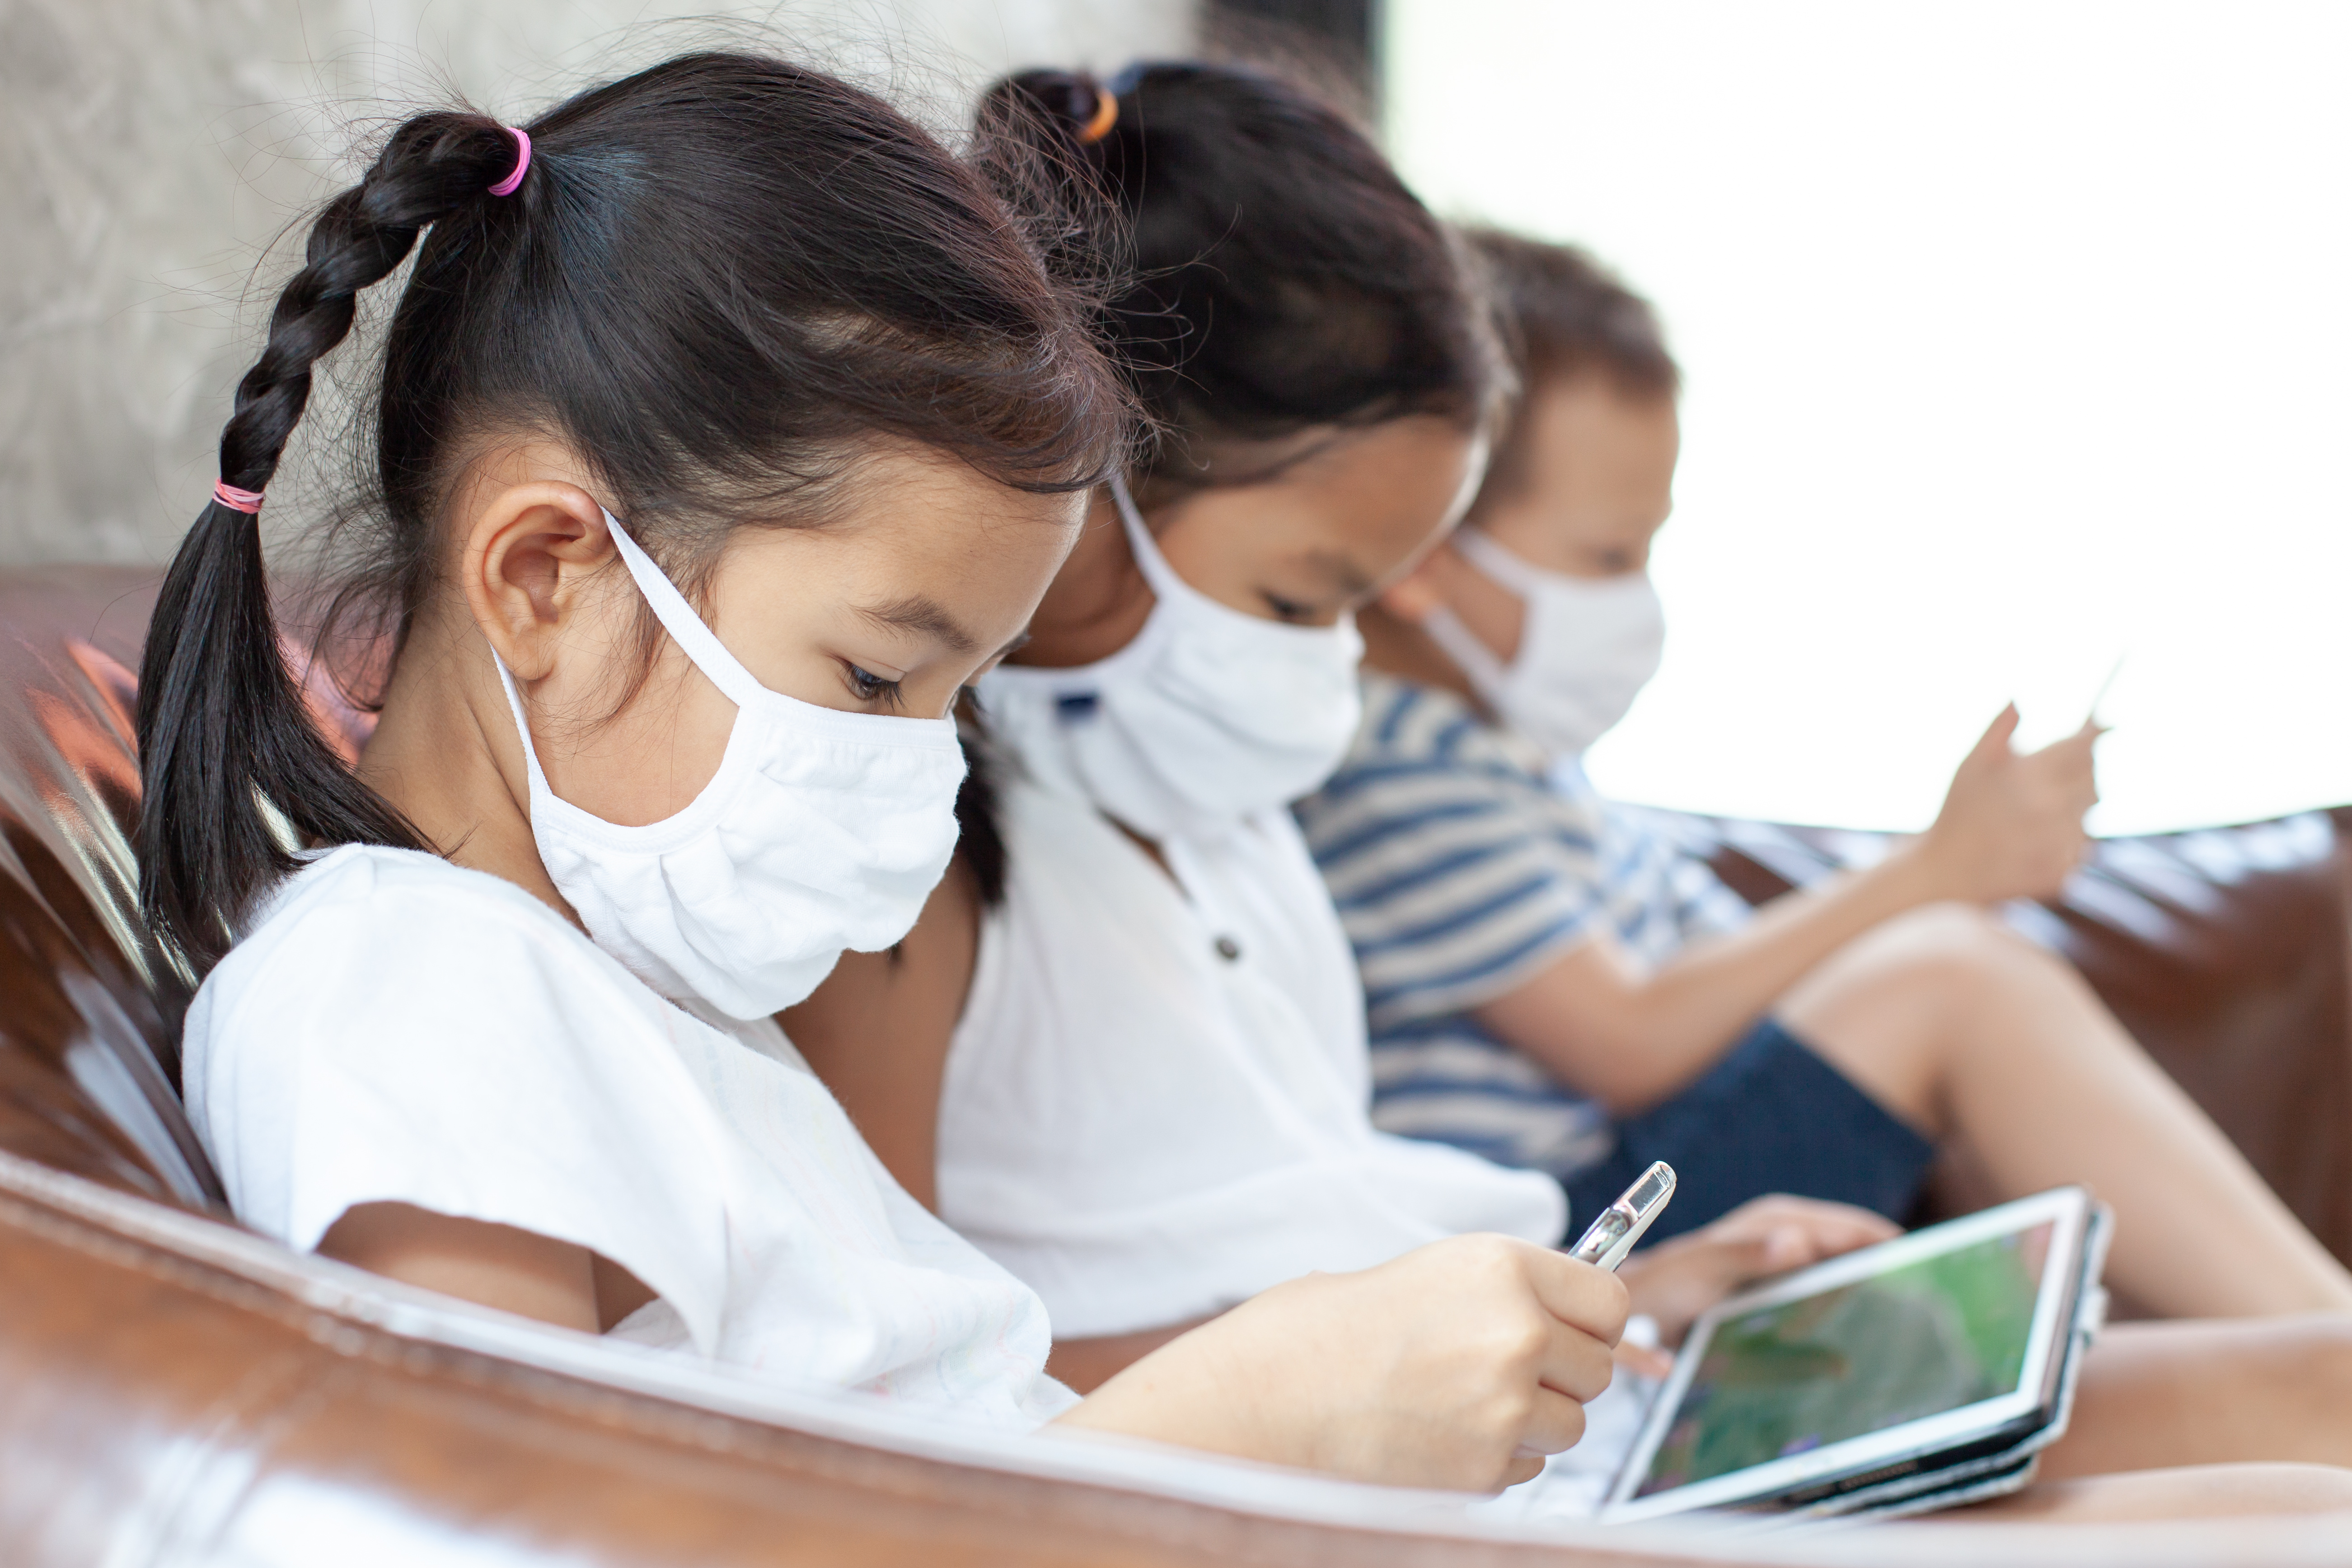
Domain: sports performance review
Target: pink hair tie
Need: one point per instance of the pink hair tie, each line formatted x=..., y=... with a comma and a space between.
x=235, y=499
x=513, y=181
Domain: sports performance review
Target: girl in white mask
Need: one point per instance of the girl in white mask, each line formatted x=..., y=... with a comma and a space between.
x=1553, y=987
x=1124, y=1049
x=1139, y=1080
x=690, y=545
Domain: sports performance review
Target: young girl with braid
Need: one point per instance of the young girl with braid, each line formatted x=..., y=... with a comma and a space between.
x=725, y=427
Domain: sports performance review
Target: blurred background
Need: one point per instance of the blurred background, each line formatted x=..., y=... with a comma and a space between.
x=151, y=149
x=2017, y=341
x=2016, y=334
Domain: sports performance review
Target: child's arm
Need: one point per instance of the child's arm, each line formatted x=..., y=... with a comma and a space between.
x=1460, y=1364
x=1457, y=1364
x=2010, y=827
x=1086, y=1365
x=495, y=1265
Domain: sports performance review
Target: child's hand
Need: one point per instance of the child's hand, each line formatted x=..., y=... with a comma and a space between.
x=2012, y=827
x=1676, y=1280
x=1461, y=1365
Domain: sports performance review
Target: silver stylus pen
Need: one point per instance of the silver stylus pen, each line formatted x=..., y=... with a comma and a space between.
x=1607, y=1240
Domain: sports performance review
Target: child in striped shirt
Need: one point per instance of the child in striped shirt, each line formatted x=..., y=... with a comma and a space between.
x=1551, y=984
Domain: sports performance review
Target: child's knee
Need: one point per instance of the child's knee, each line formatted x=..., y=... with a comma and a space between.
x=1937, y=956
x=1963, y=952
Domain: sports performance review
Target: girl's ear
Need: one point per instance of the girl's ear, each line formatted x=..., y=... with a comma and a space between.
x=526, y=566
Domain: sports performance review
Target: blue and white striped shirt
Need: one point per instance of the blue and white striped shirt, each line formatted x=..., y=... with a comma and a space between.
x=1461, y=871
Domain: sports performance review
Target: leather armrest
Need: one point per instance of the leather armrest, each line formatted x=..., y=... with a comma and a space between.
x=2227, y=952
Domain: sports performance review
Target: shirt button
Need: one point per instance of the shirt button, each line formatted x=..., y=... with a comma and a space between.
x=1228, y=949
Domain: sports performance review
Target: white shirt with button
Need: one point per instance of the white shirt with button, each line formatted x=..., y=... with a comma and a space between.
x=1157, y=1101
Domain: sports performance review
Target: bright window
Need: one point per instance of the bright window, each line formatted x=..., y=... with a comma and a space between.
x=2018, y=336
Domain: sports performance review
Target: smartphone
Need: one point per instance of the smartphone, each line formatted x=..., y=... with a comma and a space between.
x=1607, y=1240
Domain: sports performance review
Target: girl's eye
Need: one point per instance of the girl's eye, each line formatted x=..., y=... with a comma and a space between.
x=869, y=687
x=1284, y=609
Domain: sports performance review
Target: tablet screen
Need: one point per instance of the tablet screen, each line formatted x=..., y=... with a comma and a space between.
x=1926, y=1337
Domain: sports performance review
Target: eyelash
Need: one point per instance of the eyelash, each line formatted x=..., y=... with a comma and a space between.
x=1284, y=609
x=871, y=688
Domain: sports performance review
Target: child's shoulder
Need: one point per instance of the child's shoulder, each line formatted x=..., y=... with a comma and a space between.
x=363, y=920
x=360, y=873
x=386, y=976
x=1410, y=729
x=412, y=895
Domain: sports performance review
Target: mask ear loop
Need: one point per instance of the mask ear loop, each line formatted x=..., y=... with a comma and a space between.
x=1156, y=571
x=1474, y=659
x=700, y=644
x=538, y=777
x=1167, y=583
x=1497, y=562
x=1488, y=675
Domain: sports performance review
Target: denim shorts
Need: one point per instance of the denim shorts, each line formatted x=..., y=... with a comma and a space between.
x=1771, y=1117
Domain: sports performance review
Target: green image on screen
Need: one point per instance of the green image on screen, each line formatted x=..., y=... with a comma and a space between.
x=1925, y=1337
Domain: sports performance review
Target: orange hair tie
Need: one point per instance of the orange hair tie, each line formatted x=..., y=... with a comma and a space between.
x=1105, y=116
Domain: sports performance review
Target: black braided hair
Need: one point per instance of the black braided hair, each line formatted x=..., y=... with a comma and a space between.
x=223, y=734
x=719, y=282
x=1279, y=275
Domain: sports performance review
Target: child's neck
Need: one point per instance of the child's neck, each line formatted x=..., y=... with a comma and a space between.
x=446, y=754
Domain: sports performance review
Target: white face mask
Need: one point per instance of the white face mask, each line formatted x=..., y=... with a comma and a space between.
x=1586, y=649
x=1207, y=715
x=821, y=831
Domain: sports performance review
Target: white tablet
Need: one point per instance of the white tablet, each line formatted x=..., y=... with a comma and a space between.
x=1947, y=1338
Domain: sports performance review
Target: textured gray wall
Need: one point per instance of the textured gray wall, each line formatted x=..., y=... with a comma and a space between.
x=152, y=150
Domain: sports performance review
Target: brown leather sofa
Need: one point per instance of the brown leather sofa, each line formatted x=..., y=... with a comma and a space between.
x=2224, y=951
x=175, y=1390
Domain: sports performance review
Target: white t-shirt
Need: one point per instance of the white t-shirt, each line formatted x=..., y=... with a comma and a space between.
x=394, y=1028
x=1157, y=1103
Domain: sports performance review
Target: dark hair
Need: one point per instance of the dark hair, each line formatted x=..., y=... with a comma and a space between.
x=721, y=280
x=1562, y=315
x=1279, y=275
x=979, y=827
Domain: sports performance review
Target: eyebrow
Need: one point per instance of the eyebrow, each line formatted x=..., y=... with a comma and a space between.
x=918, y=614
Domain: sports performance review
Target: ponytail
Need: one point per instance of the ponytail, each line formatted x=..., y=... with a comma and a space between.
x=1274, y=273
x=717, y=280
x=228, y=750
